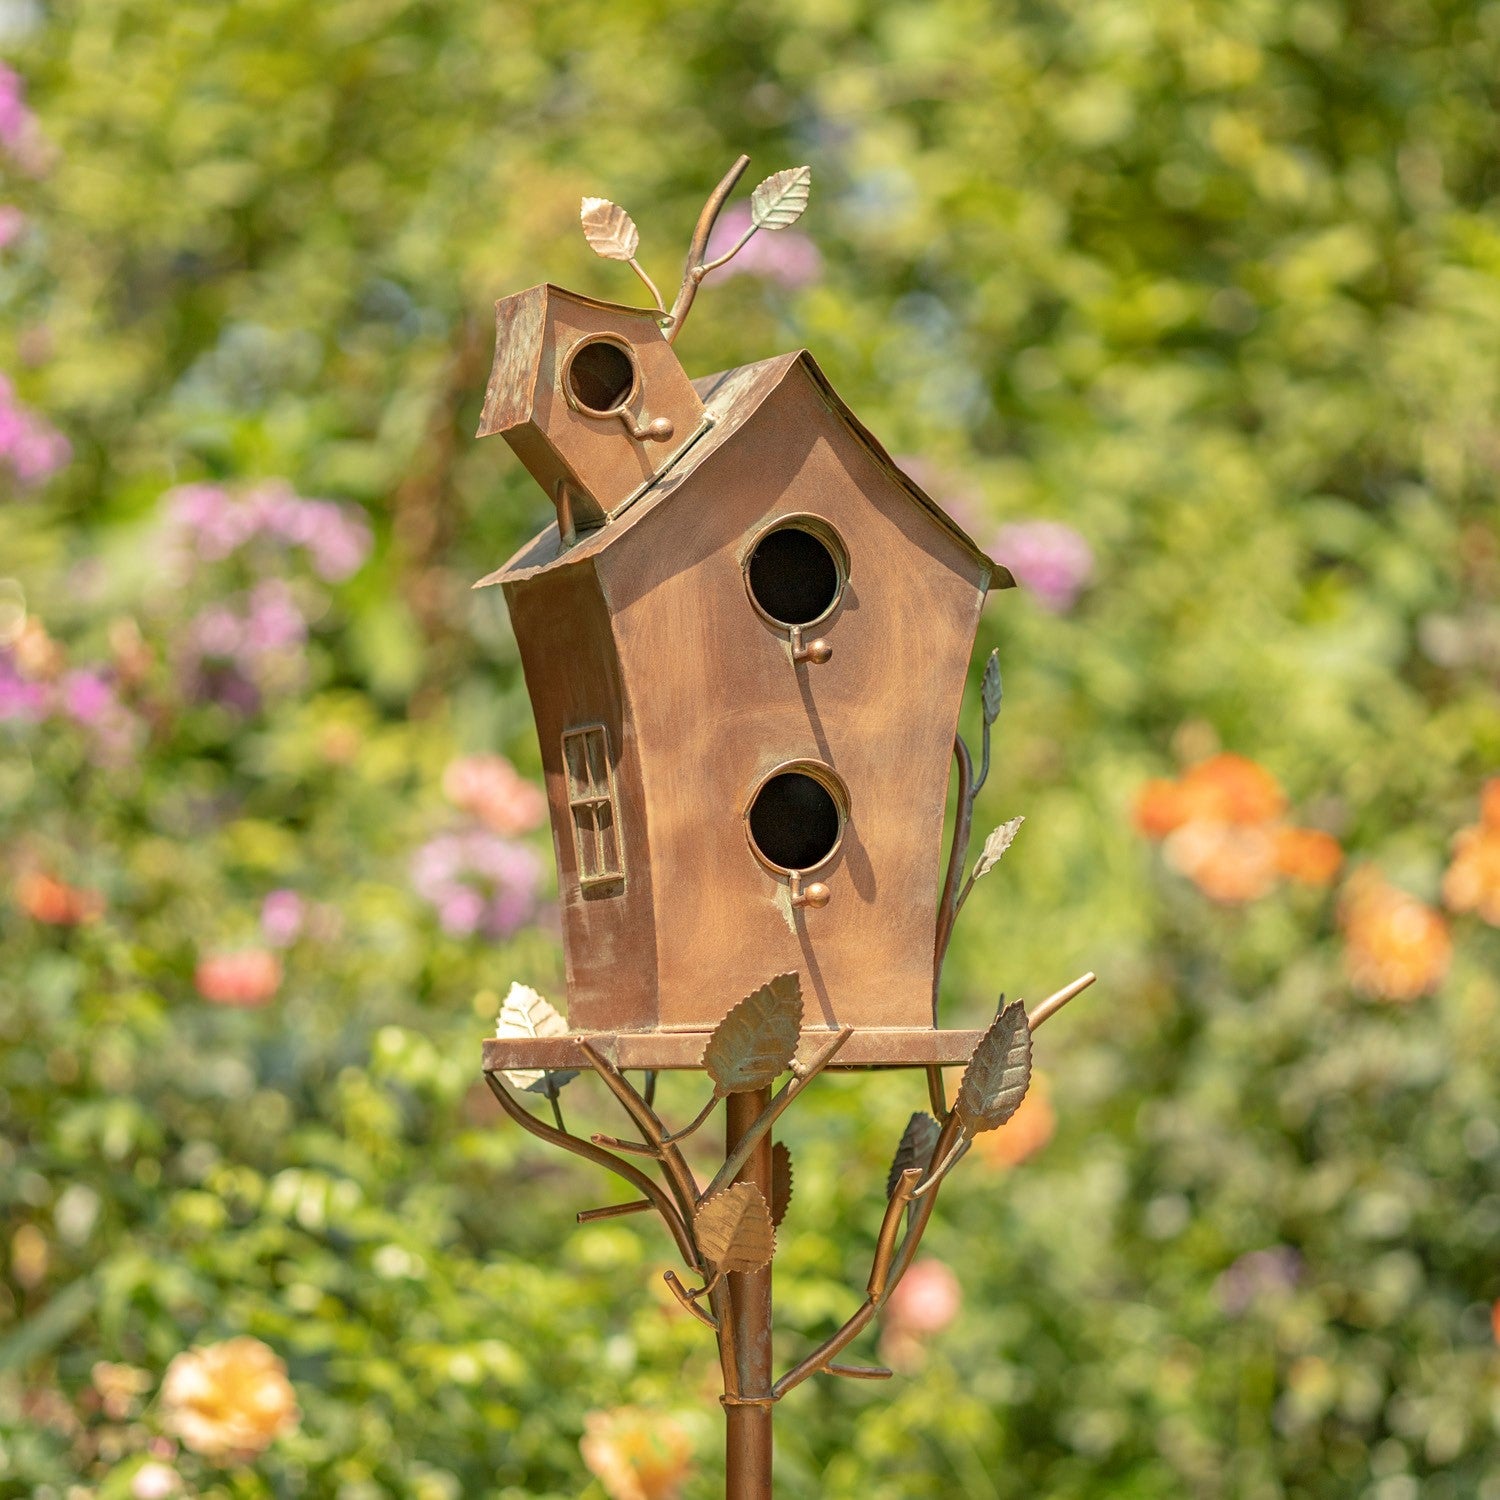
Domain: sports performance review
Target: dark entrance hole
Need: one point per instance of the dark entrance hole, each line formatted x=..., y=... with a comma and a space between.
x=794, y=576
x=600, y=376
x=795, y=821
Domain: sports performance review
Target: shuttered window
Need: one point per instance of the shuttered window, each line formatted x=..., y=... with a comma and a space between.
x=591, y=797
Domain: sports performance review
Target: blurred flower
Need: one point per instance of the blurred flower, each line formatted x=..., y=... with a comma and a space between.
x=155, y=1481
x=237, y=647
x=1395, y=947
x=1495, y=1321
x=33, y=449
x=477, y=882
x=492, y=790
x=247, y=978
x=1308, y=855
x=229, y=1400
x=38, y=656
x=16, y=120
x=20, y=698
x=282, y=915
x=87, y=696
x=1472, y=880
x=335, y=537
x=1025, y=1133
x=1258, y=1274
x=30, y=1256
x=787, y=256
x=120, y=1388
x=12, y=224
x=635, y=1454
x=924, y=1302
x=1048, y=558
x=46, y=899
x=1221, y=826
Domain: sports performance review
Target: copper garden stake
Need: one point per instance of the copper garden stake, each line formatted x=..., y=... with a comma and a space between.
x=745, y=639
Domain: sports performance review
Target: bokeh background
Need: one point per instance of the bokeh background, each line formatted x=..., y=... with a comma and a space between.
x=1190, y=311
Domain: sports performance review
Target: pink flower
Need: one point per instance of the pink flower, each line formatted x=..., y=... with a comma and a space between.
x=1048, y=558
x=924, y=1302
x=492, y=790
x=245, y=979
x=784, y=255
x=477, y=882
x=29, y=444
x=16, y=120
x=87, y=697
x=12, y=224
x=282, y=915
x=20, y=698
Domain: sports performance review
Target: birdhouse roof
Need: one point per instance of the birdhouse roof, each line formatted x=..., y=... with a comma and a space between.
x=731, y=398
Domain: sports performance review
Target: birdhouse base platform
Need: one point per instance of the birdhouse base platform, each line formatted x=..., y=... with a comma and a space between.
x=892, y=1047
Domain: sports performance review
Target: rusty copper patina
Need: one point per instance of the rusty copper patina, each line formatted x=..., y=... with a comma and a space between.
x=745, y=639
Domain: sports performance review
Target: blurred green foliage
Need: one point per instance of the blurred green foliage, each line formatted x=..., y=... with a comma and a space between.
x=1218, y=285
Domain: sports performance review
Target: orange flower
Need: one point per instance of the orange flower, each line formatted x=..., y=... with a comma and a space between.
x=924, y=1302
x=247, y=978
x=1495, y=1321
x=1229, y=863
x=230, y=1400
x=45, y=899
x=1308, y=856
x=635, y=1454
x=1395, y=947
x=1160, y=807
x=1025, y=1133
x=1472, y=882
x=491, y=789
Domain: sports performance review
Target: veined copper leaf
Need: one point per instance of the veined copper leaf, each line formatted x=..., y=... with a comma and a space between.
x=734, y=1229
x=524, y=1013
x=781, y=1183
x=998, y=1074
x=781, y=199
x=992, y=690
x=757, y=1039
x=996, y=845
x=917, y=1143
x=610, y=231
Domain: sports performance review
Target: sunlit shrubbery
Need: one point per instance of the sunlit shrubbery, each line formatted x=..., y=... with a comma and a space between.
x=1192, y=317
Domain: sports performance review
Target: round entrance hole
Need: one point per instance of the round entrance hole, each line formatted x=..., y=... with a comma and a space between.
x=797, y=817
x=601, y=376
x=796, y=572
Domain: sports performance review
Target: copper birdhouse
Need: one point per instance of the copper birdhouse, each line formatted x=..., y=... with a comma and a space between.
x=745, y=638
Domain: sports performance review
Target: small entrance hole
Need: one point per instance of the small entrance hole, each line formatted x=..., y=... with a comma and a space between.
x=795, y=820
x=601, y=376
x=794, y=574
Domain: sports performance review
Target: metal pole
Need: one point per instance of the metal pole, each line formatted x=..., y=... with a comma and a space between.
x=747, y=1450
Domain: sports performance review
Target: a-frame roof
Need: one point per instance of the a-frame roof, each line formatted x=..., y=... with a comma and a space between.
x=731, y=399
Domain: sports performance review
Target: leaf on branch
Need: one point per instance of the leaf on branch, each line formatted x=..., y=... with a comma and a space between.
x=781, y=199
x=610, y=231
x=734, y=1229
x=996, y=845
x=998, y=1074
x=992, y=690
x=757, y=1039
x=918, y=1142
x=781, y=1183
x=525, y=1014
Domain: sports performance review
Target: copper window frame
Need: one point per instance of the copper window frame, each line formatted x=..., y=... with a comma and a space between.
x=822, y=530
x=584, y=803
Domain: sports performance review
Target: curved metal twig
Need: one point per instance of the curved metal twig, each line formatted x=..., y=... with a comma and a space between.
x=589, y=1152
x=695, y=271
x=684, y=1296
x=958, y=854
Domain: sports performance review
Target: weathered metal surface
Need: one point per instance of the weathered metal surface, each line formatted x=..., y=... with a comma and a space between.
x=869, y=1047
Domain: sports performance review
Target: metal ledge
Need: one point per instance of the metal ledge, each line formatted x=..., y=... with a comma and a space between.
x=893, y=1047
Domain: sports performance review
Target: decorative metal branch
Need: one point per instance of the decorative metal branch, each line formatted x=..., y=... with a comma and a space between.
x=776, y=203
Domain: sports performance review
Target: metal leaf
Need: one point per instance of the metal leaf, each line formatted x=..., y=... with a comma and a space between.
x=734, y=1229
x=996, y=845
x=918, y=1141
x=781, y=1183
x=998, y=1074
x=992, y=690
x=610, y=231
x=781, y=198
x=524, y=1014
x=757, y=1039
